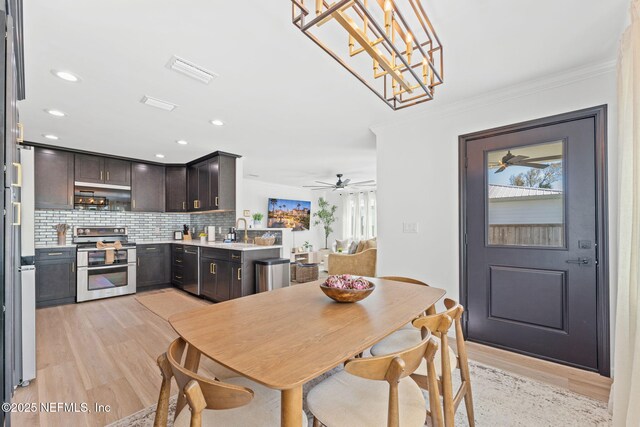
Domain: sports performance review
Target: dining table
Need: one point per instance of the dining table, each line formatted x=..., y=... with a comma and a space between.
x=285, y=338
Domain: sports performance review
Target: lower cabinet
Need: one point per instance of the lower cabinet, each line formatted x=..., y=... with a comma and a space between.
x=215, y=276
x=153, y=266
x=55, y=276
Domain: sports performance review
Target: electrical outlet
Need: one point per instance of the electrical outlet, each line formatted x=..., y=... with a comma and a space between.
x=410, y=227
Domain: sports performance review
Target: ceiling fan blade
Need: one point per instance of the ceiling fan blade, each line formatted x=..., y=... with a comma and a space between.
x=318, y=186
x=346, y=182
x=325, y=183
x=537, y=159
x=363, y=182
x=516, y=159
x=503, y=167
x=534, y=165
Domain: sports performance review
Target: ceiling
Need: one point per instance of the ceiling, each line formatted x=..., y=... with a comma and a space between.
x=289, y=109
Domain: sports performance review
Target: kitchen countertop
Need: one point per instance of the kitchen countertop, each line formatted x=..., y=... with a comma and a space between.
x=217, y=245
x=53, y=246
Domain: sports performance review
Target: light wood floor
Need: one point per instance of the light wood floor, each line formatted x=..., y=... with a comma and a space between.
x=105, y=351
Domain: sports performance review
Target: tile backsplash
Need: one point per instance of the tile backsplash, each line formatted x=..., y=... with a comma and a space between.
x=142, y=226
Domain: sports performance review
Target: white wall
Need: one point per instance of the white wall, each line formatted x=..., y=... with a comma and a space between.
x=255, y=196
x=417, y=170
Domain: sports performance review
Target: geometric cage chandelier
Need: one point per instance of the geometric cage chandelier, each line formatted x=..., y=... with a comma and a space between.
x=389, y=45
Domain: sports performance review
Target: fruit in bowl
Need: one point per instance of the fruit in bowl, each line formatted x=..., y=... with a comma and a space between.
x=347, y=288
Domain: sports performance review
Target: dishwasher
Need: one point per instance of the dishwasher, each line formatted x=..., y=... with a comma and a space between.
x=191, y=263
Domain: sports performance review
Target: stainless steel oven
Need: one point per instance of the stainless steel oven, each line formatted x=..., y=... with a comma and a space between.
x=107, y=271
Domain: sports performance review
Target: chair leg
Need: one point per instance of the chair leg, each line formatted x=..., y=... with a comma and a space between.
x=316, y=422
x=162, y=410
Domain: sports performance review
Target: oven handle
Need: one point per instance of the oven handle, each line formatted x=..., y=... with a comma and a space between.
x=107, y=267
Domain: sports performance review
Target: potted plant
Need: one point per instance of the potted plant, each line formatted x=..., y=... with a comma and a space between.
x=257, y=219
x=325, y=216
x=203, y=237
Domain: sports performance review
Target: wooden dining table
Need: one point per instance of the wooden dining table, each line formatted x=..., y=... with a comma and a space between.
x=287, y=337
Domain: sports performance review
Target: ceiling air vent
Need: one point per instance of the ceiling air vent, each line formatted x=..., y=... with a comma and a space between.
x=190, y=69
x=155, y=102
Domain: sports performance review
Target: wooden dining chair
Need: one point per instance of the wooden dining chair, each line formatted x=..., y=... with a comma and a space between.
x=236, y=401
x=429, y=310
x=446, y=360
x=349, y=398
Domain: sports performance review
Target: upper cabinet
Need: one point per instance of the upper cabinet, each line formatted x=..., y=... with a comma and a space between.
x=212, y=184
x=222, y=182
x=147, y=191
x=53, y=179
x=176, y=188
x=102, y=170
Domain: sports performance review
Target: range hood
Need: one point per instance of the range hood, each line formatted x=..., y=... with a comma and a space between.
x=105, y=186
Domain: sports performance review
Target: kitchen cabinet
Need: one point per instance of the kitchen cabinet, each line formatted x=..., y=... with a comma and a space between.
x=191, y=257
x=55, y=276
x=53, y=179
x=147, y=189
x=176, y=188
x=215, y=275
x=177, y=265
x=153, y=267
x=102, y=170
x=222, y=182
x=198, y=186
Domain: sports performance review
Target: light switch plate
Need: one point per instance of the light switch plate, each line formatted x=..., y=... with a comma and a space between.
x=410, y=227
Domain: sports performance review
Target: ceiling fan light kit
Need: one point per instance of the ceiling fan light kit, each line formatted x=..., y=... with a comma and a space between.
x=390, y=46
x=340, y=184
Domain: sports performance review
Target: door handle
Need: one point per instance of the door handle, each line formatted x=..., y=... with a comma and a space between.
x=20, y=138
x=18, y=167
x=184, y=206
x=73, y=267
x=239, y=273
x=216, y=200
x=579, y=261
x=19, y=214
x=138, y=261
x=100, y=175
x=107, y=175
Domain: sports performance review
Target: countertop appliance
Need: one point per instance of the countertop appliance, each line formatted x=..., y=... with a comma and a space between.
x=107, y=271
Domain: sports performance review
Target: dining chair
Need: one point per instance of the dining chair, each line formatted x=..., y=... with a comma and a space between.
x=377, y=391
x=429, y=310
x=446, y=360
x=236, y=401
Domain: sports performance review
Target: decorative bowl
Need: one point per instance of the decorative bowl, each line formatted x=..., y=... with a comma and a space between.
x=346, y=295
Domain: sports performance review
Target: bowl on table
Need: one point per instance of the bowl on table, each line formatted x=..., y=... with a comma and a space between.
x=347, y=288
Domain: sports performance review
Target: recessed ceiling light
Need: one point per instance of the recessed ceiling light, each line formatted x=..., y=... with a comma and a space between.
x=50, y=136
x=190, y=69
x=182, y=142
x=56, y=113
x=158, y=103
x=160, y=156
x=217, y=122
x=66, y=75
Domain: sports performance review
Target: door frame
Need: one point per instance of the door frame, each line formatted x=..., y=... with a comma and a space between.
x=599, y=115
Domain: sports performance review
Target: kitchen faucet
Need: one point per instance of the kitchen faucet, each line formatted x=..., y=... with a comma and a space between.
x=245, y=239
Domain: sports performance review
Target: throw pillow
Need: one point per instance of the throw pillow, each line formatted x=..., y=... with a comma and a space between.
x=352, y=247
x=370, y=244
x=360, y=247
x=342, y=245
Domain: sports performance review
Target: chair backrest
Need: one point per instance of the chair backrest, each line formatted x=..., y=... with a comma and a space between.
x=429, y=310
x=392, y=368
x=201, y=393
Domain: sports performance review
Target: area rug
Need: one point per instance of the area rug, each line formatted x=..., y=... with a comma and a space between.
x=500, y=399
x=167, y=303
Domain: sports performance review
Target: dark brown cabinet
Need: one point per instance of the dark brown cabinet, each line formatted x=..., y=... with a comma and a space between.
x=177, y=265
x=215, y=279
x=222, y=182
x=153, y=266
x=102, y=170
x=53, y=179
x=55, y=276
x=198, y=186
x=176, y=188
x=147, y=190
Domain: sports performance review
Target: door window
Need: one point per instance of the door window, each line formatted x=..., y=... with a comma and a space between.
x=525, y=196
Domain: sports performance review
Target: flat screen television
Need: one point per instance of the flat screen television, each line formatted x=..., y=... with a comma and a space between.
x=294, y=214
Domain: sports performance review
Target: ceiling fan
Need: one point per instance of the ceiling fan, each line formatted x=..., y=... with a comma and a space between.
x=341, y=185
x=519, y=160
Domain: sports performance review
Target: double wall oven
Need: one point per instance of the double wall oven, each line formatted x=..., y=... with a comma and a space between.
x=106, y=262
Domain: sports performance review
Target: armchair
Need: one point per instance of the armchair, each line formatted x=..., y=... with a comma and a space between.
x=359, y=264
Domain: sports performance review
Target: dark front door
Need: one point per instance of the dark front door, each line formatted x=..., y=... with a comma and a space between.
x=531, y=232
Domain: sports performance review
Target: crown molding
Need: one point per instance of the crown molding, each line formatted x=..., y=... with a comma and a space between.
x=519, y=90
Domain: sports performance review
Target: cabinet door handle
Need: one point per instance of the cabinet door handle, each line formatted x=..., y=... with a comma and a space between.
x=184, y=206
x=235, y=256
x=178, y=277
x=73, y=267
x=133, y=203
x=54, y=253
x=100, y=175
x=138, y=262
x=178, y=261
x=152, y=249
x=19, y=214
x=107, y=175
x=20, y=138
x=216, y=200
x=239, y=273
x=18, y=167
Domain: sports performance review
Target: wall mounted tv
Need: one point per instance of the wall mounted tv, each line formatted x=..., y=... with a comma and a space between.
x=294, y=214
